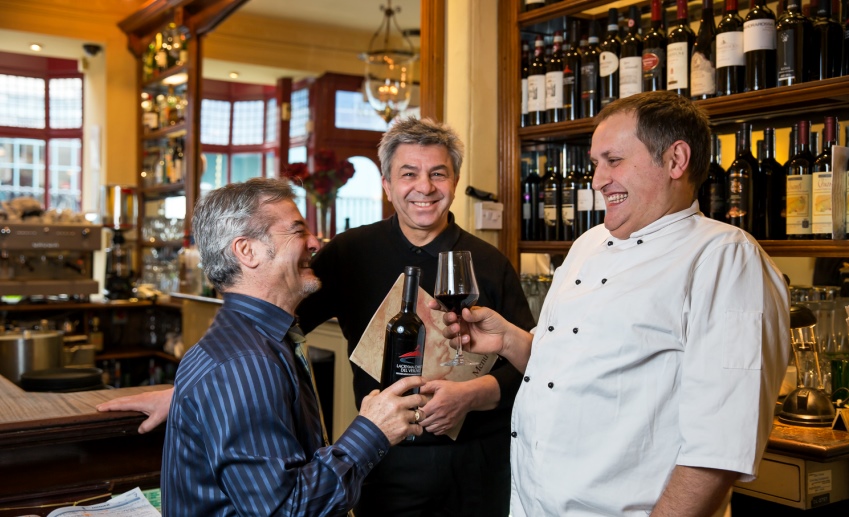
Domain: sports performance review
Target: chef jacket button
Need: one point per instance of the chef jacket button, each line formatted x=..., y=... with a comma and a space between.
x=550, y=328
x=381, y=453
x=603, y=280
x=575, y=330
x=578, y=282
x=639, y=241
x=610, y=243
x=514, y=434
x=527, y=379
x=550, y=384
x=370, y=465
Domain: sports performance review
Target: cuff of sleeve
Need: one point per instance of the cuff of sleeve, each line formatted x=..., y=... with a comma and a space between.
x=364, y=443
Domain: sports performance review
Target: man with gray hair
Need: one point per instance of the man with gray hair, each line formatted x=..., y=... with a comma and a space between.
x=244, y=431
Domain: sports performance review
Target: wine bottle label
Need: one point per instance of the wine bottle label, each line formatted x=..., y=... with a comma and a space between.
x=526, y=211
x=738, y=197
x=821, y=207
x=799, y=204
x=702, y=75
x=758, y=35
x=630, y=76
x=598, y=199
x=536, y=93
x=717, y=199
x=525, y=96
x=676, y=66
x=786, y=58
x=568, y=209
x=550, y=213
x=729, y=49
x=553, y=90
x=585, y=199
x=589, y=76
x=608, y=64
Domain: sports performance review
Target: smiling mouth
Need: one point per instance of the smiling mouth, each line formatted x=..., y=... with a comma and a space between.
x=616, y=198
x=424, y=204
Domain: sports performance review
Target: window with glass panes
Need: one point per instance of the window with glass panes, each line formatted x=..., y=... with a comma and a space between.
x=41, y=154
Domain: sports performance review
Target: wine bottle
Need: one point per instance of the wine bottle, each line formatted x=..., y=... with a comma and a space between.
x=776, y=217
x=584, y=201
x=759, y=47
x=405, y=335
x=730, y=62
x=568, y=191
x=554, y=81
x=590, y=98
x=794, y=36
x=599, y=206
x=738, y=188
x=572, y=74
x=679, y=47
x=712, y=191
x=654, y=50
x=703, y=58
x=525, y=119
x=799, y=183
x=551, y=187
x=608, y=60
x=845, y=67
x=530, y=202
x=631, y=57
x=826, y=60
x=536, y=84
x=823, y=173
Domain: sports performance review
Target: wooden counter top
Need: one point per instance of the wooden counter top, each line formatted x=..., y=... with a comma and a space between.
x=813, y=443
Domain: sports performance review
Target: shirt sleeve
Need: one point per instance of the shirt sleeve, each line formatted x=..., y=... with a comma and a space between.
x=241, y=419
x=735, y=355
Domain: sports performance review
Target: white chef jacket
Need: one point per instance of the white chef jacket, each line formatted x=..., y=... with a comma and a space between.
x=663, y=349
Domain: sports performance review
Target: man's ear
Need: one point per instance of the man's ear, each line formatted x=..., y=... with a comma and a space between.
x=246, y=251
x=678, y=159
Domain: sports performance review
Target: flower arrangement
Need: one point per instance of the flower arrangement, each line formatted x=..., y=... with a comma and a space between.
x=323, y=177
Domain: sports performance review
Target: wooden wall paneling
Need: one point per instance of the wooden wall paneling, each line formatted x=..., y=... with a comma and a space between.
x=509, y=181
x=432, y=59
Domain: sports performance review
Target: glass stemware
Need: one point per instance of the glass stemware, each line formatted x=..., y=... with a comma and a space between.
x=456, y=288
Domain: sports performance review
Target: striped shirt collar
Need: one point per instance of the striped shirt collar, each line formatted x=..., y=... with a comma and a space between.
x=271, y=319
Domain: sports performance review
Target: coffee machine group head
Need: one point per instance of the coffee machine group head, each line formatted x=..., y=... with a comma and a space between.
x=119, y=211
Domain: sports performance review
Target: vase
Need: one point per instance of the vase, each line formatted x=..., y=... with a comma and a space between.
x=322, y=223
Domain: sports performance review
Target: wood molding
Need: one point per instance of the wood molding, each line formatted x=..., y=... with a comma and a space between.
x=433, y=59
x=508, y=120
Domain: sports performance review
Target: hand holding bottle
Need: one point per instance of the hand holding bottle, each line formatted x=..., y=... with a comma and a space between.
x=396, y=415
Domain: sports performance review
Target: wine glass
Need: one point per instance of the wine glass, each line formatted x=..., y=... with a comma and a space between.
x=455, y=289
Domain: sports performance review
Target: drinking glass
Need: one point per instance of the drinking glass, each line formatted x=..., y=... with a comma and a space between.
x=456, y=288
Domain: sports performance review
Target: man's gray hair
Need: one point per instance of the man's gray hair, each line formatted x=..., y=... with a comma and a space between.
x=420, y=132
x=229, y=212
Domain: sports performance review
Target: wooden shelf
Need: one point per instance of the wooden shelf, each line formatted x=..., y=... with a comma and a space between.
x=175, y=131
x=564, y=8
x=158, y=82
x=162, y=190
x=800, y=248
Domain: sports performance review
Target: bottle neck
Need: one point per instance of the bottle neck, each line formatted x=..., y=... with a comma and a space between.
x=411, y=293
x=730, y=7
x=682, y=11
x=769, y=144
x=744, y=137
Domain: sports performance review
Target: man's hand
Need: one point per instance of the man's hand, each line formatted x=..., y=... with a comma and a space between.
x=154, y=404
x=392, y=412
x=448, y=406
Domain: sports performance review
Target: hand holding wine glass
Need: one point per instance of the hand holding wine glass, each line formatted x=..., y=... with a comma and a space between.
x=456, y=289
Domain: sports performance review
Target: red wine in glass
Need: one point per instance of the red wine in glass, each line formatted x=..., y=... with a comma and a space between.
x=456, y=302
x=456, y=288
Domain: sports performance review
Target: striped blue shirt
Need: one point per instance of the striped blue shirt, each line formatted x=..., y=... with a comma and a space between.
x=244, y=434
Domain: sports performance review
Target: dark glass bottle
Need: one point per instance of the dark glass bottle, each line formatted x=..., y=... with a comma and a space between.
x=568, y=190
x=530, y=202
x=826, y=62
x=572, y=74
x=584, y=202
x=554, y=81
x=703, y=58
x=679, y=48
x=776, y=217
x=845, y=68
x=794, y=40
x=799, y=182
x=738, y=188
x=654, y=50
x=536, y=84
x=823, y=173
x=730, y=62
x=525, y=119
x=759, y=47
x=553, y=204
x=405, y=335
x=590, y=93
x=631, y=57
x=608, y=60
x=712, y=191
x=599, y=206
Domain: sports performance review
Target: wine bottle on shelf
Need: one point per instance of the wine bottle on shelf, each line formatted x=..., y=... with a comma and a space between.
x=794, y=39
x=599, y=206
x=654, y=50
x=405, y=335
x=525, y=119
x=554, y=81
x=530, y=202
x=572, y=74
x=584, y=201
x=608, y=60
x=552, y=183
x=776, y=197
x=631, y=57
x=826, y=62
x=712, y=191
x=845, y=44
x=759, y=47
x=703, y=58
x=568, y=191
x=536, y=84
x=590, y=94
x=762, y=185
x=738, y=197
x=799, y=183
x=823, y=173
x=679, y=48
x=730, y=62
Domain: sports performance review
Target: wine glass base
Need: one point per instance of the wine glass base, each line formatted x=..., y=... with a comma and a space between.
x=458, y=361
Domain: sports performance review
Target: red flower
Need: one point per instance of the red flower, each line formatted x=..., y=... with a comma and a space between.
x=326, y=177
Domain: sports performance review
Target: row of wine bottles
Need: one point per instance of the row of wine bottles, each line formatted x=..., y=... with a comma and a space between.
x=571, y=80
x=163, y=162
x=168, y=48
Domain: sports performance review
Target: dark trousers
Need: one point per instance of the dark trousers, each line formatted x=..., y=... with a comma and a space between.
x=470, y=479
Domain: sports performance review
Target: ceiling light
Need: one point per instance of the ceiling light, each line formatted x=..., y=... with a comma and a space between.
x=36, y=47
x=234, y=75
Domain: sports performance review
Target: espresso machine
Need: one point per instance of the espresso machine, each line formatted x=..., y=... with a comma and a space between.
x=119, y=212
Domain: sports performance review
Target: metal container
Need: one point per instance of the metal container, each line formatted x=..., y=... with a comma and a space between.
x=28, y=350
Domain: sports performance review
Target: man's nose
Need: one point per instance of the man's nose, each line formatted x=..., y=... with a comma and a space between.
x=424, y=184
x=313, y=244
